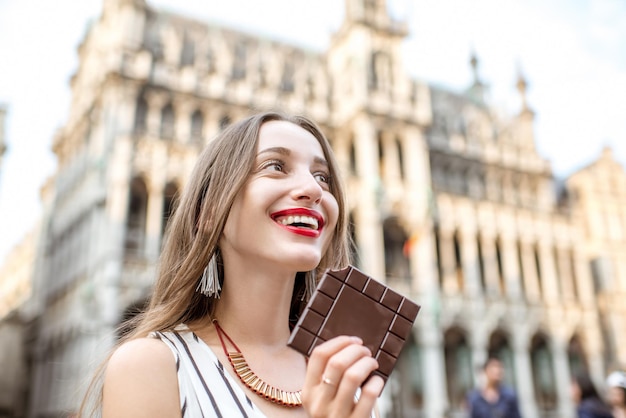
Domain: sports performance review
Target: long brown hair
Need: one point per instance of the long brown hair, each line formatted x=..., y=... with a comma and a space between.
x=194, y=230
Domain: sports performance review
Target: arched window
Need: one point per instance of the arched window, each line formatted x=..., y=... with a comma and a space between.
x=380, y=71
x=400, y=157
x=197, y=126
x=352, y=156
x=188, y=53
x=458, y=360
x=458, y=261
x=396, y=261
x=538, y=269
x=136, y=216
x=501, y=279
x=481, y=263
x=576, y=356
x=287, y=80
x=240, y=62
x=437, y=235
x=141, y=113
x=167, y=122
x=543, y=373
x=499, y=347
x=520, y=264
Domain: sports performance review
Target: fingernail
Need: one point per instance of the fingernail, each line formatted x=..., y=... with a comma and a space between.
x=356, y=340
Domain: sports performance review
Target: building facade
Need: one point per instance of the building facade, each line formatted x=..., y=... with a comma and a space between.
x=449, y=202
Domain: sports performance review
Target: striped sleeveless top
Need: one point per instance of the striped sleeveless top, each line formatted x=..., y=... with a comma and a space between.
x=205, y=389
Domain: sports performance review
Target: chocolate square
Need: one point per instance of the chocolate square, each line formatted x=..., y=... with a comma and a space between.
x=348, y=302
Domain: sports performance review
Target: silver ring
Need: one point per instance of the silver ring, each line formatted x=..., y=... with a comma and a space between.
x=327, y=381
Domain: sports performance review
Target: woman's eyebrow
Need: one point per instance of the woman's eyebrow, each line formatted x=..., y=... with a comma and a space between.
x=322, y=161
x=275, y=150
x=287, y=152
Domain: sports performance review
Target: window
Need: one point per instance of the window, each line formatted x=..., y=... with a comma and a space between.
x=197, y=126
x=141, y=113
x=136, y=217
x=167, y=122
x=396, y=261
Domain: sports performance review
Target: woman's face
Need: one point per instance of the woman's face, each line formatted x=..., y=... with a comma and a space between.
x=285, y=214
x=616, y=396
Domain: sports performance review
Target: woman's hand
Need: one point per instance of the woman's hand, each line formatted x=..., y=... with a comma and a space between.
x=336, y=369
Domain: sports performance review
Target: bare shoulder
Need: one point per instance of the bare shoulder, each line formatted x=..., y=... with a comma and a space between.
x=140, y=381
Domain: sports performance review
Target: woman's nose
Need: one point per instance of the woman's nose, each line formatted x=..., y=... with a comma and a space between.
x=307, y=188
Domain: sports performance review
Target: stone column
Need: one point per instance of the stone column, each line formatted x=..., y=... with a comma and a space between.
x=510, y=267
x=584, y=280
x=548, y=277
x=156, y=101
x=533, y=291
x=469, y=257
x=182, y=120
x=524, y=377
x=565, y=277
x=367, y=217
x=448, y=262
x=211, y=123
x=154, y=220
x=563, y=378
x=435, y=392
x=418, y=210
x=490, y=265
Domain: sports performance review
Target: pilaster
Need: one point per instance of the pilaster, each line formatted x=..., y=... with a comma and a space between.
x=367, y=218
x=435, y=392
x=531, y=281
x=563, y=377
x=523, y=373
x=511, y=268
x=448, y=262
x=548, y=278
x=469, y=257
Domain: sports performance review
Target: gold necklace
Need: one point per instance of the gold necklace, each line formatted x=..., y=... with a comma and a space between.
x=251, y=380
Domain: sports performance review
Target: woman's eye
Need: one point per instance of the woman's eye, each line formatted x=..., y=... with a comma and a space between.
x=273, y=166
x=322, y=177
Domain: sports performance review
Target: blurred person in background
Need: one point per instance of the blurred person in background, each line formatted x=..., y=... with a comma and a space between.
x=616, y=393
x=493, y=399
x=587, y=400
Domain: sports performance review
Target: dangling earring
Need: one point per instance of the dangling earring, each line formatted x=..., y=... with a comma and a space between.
x=310, y=283
x=209, y=284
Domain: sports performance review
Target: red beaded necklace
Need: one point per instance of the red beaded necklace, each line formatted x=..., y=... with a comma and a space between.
x=251, y=380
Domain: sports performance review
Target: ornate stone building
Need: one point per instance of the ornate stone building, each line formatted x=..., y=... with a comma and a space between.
x=449, y=202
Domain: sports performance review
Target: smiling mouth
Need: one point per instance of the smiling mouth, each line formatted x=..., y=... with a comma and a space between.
x=299, y=221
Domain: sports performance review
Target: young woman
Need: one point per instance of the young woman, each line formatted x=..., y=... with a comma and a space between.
x=263, y=213
x=587, y=400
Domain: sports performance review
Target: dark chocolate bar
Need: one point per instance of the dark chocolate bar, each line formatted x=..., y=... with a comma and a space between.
x=348, y=302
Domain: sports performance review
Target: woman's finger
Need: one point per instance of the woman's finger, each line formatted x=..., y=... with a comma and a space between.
x=320, y=356
x=352, y=379
x=367, y=399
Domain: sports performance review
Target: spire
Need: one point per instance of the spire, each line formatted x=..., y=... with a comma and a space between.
x=477, y=90
x=522, y=86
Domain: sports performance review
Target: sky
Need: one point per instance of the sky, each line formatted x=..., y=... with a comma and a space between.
x=571, y=52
